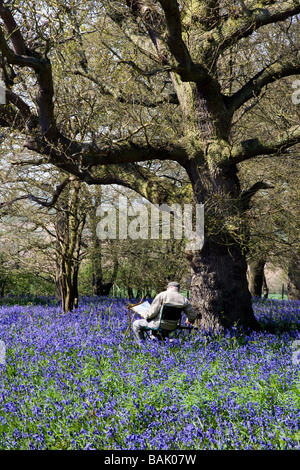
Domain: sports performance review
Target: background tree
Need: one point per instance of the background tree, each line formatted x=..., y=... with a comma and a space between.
x=45, y=227
x=147, y=81
x=69, y=224
x=104, y=266
x=141, y=266
x=44, y=238
x=274, y=222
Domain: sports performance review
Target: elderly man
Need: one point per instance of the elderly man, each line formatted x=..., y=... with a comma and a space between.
x=151, y=318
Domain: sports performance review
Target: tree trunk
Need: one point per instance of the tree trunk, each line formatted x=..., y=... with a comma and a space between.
x=96, y=265
x=265, y=288
x=100, y=288
x=294, y=278
x=66, y=285
x=58, y=292
x=256, y=277
x=130, y=292
x=75, y=285
x=69, y=226
x=219, y=286
x=3, y=283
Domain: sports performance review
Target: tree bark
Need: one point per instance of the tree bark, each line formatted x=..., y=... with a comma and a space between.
x=256, y=277
x=100, y=288
x=75, y=285
x=67, y=286
x=219, y=289
x=294, y=278
x=69, y=226
x=265, y=288
x=57, y=280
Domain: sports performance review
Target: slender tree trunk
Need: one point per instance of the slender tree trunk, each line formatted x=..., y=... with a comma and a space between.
x=69, y=226
x=256, y=277
x=294, y=278
x=130, y=292
x=265, y=288
x=3, y=283
x=75, y=285
x=57, y=285
x=100, y=288
x=139, y=293
x=96, y=262
x=66, y=285
x=69, y=288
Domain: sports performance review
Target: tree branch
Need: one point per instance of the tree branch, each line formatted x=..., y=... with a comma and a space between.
x=126, y=22
x=128, y=153
x=39, y=201
x=247, y=195
x=188, y=70
x=152, y=21
x=145, y=182
x=18, y=59
x=121, y=97
x=282, y=67
x=174, y=40
x=13, y=30
x=28, y=122
x=257, y=14
x=33, y=162
x=255, y=147
x=22, y=56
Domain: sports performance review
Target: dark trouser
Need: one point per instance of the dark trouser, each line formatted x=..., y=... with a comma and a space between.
x=139, y=327
x=160, y=334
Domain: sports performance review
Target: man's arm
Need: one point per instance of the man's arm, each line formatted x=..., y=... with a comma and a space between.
x=190, y=313
x=154, y=309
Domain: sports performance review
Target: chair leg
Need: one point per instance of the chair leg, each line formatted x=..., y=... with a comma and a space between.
x=163, y=335
x=157, y=334
x=154, y=333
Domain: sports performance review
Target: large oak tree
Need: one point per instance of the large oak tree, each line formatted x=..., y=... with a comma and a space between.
x=162, y=84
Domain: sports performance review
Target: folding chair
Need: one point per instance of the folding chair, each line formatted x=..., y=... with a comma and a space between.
x=170, y=314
